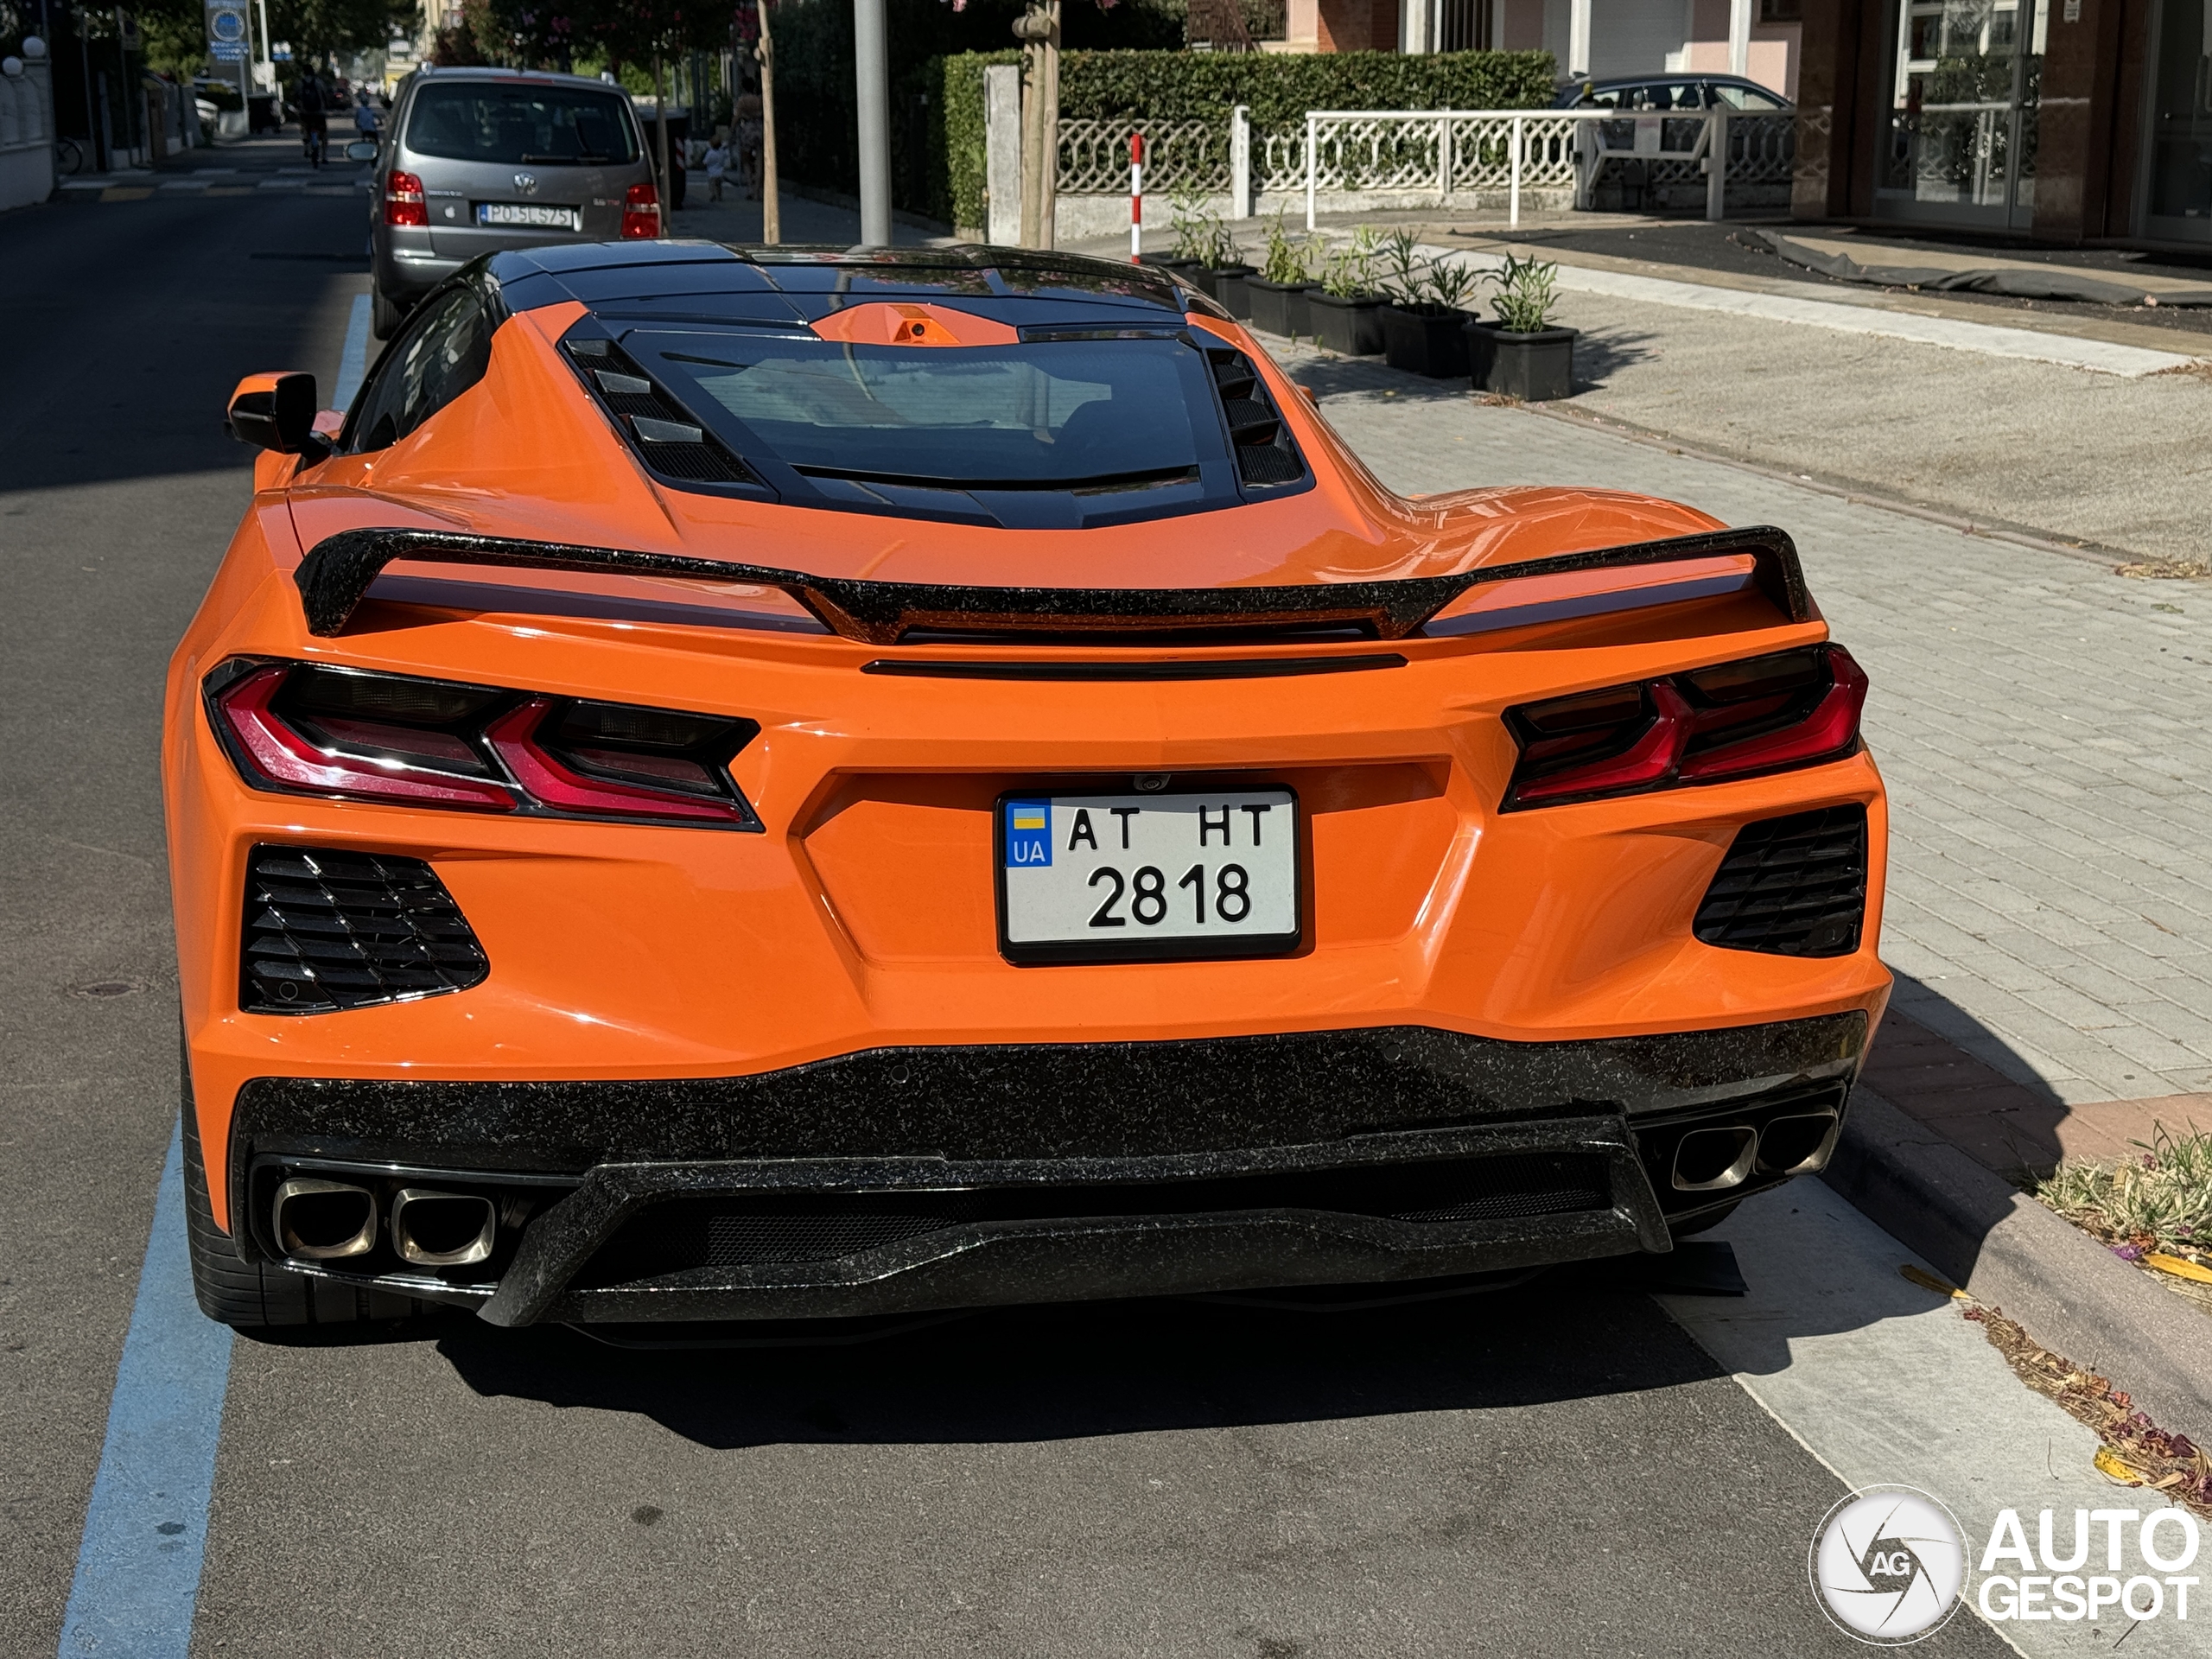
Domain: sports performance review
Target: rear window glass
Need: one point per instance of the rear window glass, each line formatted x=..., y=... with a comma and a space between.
x=521, y=125
x=1042, y=415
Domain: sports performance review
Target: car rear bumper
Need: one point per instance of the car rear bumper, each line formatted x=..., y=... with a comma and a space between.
x=902, y=1180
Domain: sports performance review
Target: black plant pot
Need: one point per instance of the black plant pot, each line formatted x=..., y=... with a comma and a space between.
x=1278, y=308
x=1534, y=367
x=1353, y=326
x=1226, y=284
x=1427, y=338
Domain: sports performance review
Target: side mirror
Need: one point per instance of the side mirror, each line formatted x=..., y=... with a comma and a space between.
x=361, y=149
x=277, y=411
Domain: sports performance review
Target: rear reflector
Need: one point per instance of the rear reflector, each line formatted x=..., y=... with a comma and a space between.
x=1735, y=720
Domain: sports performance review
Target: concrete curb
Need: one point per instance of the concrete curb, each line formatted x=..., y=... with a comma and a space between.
x=2073, y=1296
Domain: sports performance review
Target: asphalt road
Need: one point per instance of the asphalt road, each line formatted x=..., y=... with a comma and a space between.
x=1558, y=1469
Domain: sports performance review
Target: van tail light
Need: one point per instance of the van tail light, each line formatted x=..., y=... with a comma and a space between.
x=404, y=202
x=349, y=735
x=1735, y=720
x=641, y=212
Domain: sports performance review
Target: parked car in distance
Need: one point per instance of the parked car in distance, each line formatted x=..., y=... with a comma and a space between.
x=480, y=161
x=1654, y=92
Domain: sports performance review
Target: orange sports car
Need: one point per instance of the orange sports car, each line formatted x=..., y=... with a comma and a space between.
x=787, y=784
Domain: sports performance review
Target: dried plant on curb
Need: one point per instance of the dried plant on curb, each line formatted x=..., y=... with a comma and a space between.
x=2159, y=1202
x=2136, y=1450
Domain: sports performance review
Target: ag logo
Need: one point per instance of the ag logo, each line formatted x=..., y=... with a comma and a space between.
x=1887, y=1565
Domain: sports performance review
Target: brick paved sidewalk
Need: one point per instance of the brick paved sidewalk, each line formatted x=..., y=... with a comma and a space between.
x=2046, y=728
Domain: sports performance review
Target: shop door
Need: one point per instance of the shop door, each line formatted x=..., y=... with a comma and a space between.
x=1959, y=146
x=2178, y=169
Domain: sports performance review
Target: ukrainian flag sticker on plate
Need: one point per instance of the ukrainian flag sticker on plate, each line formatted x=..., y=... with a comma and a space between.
x=1028, y=834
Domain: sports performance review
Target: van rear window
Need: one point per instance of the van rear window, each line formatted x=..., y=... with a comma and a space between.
x=521, y=125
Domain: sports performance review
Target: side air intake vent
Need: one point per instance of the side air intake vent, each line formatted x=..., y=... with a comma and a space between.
x=661, y=430
x=328, y=930
x=1793, y=887
x=1264, y=452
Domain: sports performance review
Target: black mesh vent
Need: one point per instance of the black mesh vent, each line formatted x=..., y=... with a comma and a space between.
x=1265, y=454
x=685, y=1235
x=628, y=391
x=1794, y=887
x=328, y=930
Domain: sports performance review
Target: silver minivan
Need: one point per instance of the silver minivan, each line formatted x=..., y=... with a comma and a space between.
x=473, y=161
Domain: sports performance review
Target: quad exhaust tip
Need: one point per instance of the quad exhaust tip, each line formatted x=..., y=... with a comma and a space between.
x=442, y=1229
x=1715, y=1160
x=318, y=1220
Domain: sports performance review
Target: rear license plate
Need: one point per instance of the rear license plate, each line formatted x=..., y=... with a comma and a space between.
x=1093, y=878
x=528, y=214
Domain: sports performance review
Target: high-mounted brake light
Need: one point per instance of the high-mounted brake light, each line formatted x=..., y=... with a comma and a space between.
x=640, y=212
x=1736, y=720
x=347, y=733
x=404, y=202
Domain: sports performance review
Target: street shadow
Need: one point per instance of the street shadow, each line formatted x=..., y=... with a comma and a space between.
x=1600, y=353
x=134, y=319
x=1937, y=1063
x=1060, y=1372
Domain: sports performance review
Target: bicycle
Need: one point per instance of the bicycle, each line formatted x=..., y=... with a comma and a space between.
x=68, y=159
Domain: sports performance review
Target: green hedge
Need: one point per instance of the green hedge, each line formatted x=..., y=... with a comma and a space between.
x=1163, y=86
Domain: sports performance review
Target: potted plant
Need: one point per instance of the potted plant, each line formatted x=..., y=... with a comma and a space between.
x=1345, y=310
x=1225, y=271
x=1520, y=355
x=1188, y=221
x=1278, y=293
x=1423, y=327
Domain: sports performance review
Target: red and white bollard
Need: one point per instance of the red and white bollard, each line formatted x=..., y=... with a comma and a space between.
x=1136, y=197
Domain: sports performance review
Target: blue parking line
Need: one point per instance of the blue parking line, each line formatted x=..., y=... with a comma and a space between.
x=146, y=1529
x=354, y=362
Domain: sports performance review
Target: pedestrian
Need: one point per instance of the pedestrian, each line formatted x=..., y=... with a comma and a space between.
x=365, y=116
x=314, y=117
x=749, y=130
x=717, y=160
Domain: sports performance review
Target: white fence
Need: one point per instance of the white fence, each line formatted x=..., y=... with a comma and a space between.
x=1456, y=153
x=26, y=135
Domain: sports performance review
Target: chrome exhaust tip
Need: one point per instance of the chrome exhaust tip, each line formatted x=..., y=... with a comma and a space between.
x=323, y=1221
x=1712, y=1160
x=1797, y=1145
x=442, y=1229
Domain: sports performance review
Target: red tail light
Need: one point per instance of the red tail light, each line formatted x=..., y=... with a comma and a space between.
x=301, y=728
x=402, y=199
x=1767, y=713
x=641, y=212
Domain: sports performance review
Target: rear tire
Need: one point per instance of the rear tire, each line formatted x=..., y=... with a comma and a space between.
x=384, y=317
x=251, y=1295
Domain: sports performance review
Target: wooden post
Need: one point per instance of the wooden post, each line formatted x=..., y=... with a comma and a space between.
x=771, y=217
x=660, y=142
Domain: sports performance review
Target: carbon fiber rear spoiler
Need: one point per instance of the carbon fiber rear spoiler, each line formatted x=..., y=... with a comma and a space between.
x=336, y=575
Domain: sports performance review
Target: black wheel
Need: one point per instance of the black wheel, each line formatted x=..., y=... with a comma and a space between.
x=384, y=317
x=251, y=1296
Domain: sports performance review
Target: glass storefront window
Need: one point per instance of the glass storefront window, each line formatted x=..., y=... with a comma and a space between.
x=2180, y=162
x=1961, y=139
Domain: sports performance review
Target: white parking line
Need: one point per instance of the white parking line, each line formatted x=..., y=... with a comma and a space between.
x=353, y=362
x=1885, y=1384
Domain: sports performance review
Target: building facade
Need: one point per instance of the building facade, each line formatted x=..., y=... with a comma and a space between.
x=2066, y=121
